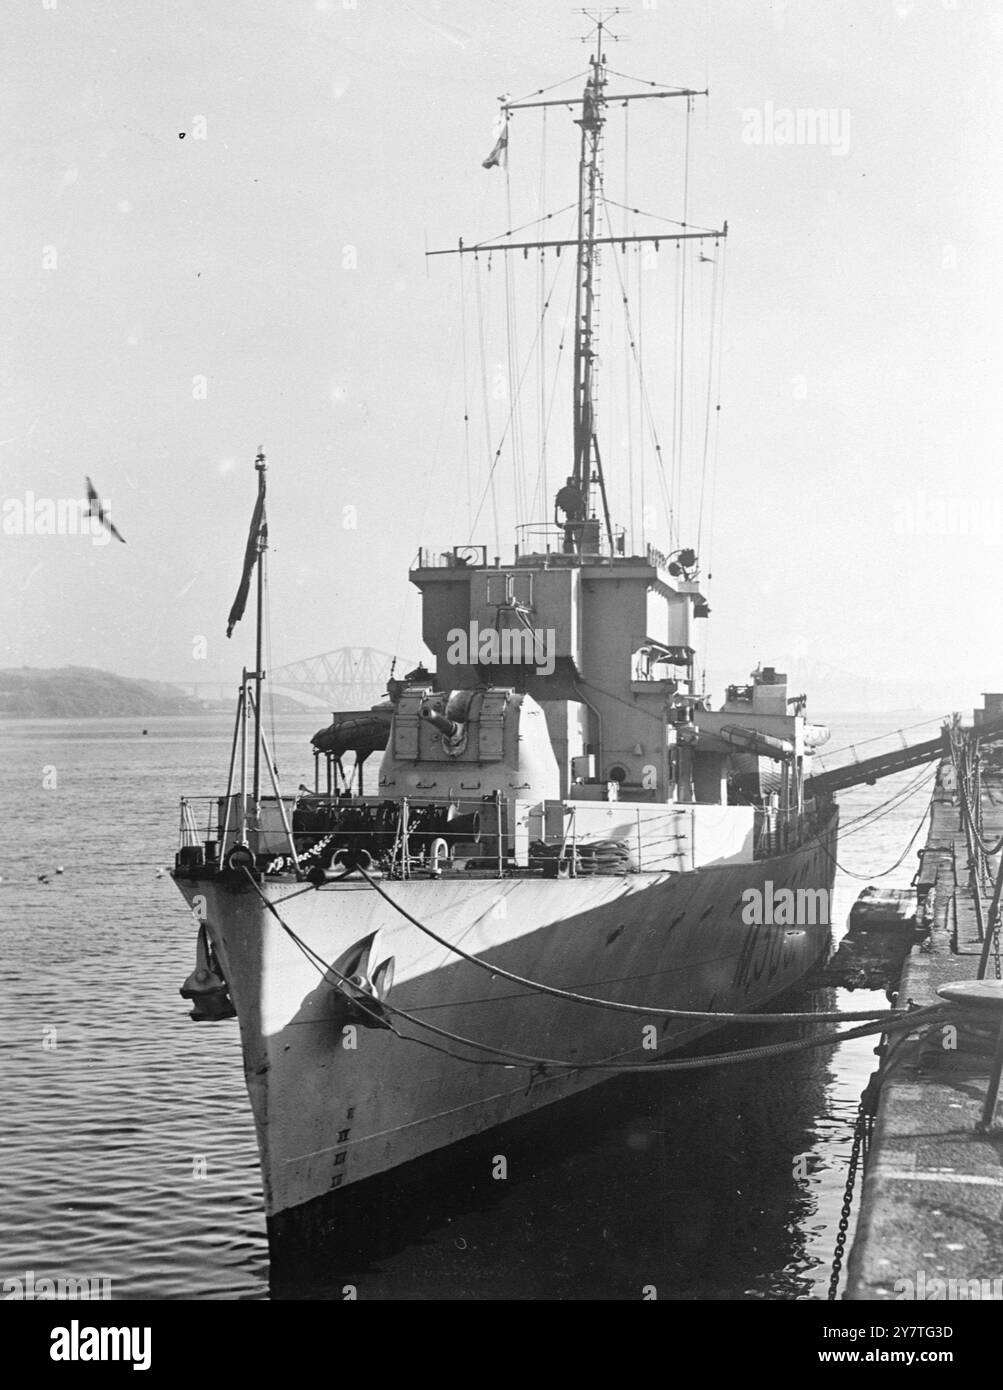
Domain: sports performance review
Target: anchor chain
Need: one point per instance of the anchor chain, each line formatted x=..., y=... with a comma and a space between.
x=861, y=1143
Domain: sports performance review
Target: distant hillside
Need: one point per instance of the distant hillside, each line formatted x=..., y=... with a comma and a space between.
x=79, y=692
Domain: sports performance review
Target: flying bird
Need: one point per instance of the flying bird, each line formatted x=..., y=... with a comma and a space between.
x=450, y=32
x=708, y=259
x=94, y=508
x=30, y=575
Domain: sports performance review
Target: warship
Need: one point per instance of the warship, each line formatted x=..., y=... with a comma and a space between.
x=553, y=878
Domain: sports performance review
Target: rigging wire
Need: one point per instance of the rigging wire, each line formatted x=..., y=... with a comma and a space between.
x=720, y=261
x=495, y=243
x=628, y=225
x=269, y=696
x=429, y=492
x=860, y=743
x=885, y=872
x=542, y=336
x=712, y=331
x=492, y=458
x=516, y=397
x=674, y=453
x=717, y=287
x=892, y=803
x=512, y=359
x=679, y=382
x=646, y=82
x=602, y=226
x=557, y=366
x=541, y=91
x=716, y=447
x=466, y=392
x=642, y=462
x=634, y=343
x=657, y=217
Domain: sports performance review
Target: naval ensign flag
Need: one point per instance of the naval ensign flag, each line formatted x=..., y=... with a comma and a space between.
x=256, y=540
x=499, y=155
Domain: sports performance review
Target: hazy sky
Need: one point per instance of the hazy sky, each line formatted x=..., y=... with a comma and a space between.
x=276, y=253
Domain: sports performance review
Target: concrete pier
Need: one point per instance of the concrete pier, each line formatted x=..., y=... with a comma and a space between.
x=930, y=1222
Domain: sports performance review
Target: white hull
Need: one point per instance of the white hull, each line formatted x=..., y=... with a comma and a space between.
x=330, y=1115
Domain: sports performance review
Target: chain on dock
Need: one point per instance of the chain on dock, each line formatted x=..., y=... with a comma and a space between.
x=967, y=766
x=970, y=787
x=862, y=1131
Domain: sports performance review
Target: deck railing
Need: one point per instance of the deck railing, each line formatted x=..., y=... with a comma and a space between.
x=425, y=835
x=778, y=830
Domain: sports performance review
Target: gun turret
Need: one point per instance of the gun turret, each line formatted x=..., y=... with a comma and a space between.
x=447, y=727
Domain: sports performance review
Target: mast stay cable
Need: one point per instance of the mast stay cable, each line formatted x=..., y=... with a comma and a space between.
x=633, y=341
x=516, y=397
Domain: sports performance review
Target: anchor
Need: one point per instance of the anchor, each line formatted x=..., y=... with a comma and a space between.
x=205, y=986
x=359, y=994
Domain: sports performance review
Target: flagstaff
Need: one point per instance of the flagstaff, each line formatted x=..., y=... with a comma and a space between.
x=262, y=546
x=254, y=554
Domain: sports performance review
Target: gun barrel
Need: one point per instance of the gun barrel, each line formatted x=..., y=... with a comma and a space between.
x=766, y=745
x=447, y=727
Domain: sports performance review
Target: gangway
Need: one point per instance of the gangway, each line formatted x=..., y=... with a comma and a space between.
x=868, y=770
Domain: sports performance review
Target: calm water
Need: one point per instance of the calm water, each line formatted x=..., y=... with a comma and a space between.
x=128, y=1151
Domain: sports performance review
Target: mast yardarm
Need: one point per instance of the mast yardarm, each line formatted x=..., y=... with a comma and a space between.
x=576, y=498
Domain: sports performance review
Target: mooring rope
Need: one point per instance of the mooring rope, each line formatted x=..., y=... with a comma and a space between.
x=885, y=872
x=575, y=998
x=908, y=1020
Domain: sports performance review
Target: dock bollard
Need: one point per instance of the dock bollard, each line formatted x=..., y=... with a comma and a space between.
x=987, y=997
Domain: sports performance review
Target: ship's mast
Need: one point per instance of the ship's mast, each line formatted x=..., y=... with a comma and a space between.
x=591, y=121
x=593, y=102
